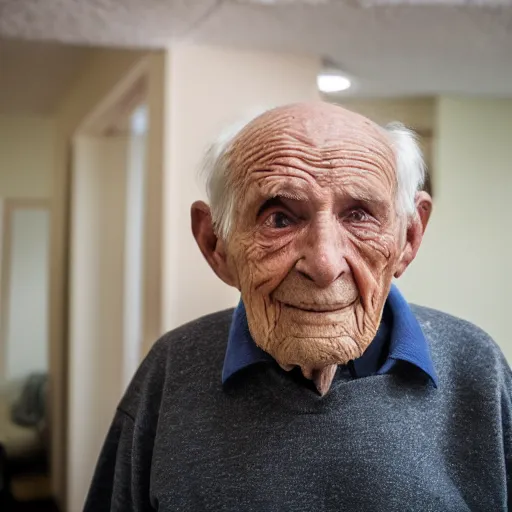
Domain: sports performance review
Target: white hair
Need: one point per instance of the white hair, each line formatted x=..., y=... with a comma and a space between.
x=410, y=167
x=410, y=174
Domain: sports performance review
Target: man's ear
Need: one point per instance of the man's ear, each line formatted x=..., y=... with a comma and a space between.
x=415, y=231
x=211, y=246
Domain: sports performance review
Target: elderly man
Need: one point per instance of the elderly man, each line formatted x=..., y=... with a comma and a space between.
x=324, y=390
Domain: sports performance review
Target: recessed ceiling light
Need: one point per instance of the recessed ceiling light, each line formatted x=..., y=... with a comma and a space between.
x=332, y=82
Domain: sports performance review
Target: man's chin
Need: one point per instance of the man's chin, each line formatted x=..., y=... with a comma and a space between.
x=313, y=353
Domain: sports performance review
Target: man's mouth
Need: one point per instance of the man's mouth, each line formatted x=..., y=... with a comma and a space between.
x=317, y=308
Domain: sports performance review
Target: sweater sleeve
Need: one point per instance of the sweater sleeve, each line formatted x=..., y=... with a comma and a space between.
x=506, y=401
x=122, y=477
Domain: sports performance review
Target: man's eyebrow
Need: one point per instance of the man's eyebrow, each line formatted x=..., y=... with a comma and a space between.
x=276, y=199
x=367, y=197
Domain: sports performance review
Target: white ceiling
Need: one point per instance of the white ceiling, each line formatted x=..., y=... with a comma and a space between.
x=388, y=50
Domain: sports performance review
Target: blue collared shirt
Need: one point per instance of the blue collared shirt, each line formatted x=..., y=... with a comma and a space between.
x=399, y=338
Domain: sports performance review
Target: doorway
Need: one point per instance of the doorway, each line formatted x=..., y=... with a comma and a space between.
x=113, y=204
x=25, y=394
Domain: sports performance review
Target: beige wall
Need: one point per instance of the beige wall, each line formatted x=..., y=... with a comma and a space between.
x=417, y=113
x=209, y=88
x=463, y=265
x=27, y=156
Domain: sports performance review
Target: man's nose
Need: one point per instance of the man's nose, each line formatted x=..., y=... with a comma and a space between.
x=323, y=254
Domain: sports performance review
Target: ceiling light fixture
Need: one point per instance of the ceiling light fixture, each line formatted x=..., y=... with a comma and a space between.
x=332, y=82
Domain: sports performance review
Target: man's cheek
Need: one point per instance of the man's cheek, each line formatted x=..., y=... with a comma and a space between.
x=372, y=270
x=264, y=272
x=262, y=277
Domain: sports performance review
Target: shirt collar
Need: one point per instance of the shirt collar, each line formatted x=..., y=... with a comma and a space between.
x=399, y=331
x=241, y=350
x=407, y=341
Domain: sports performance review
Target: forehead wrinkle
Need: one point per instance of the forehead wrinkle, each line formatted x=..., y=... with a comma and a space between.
x=306, y=158
x=293, y=163
x=374, y=156
x=291, y=179
x=276, y=150
x=255, y=140
x=308, y=140
x=356, y=170
x=319, y=124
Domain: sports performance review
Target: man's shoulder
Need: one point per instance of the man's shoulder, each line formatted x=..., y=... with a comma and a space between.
x=191, y=353
x=438, y=322
x=198, y=343
x=209, y=331
x=458, y=339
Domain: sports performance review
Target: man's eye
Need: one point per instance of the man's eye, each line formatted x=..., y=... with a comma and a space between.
x=279, y=220
x=357, y=215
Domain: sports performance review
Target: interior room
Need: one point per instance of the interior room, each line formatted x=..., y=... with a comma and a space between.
x=106, y=110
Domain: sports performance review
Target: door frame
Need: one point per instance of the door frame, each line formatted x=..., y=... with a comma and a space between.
x=145, y=80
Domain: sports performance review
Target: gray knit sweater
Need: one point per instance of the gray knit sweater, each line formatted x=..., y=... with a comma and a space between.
x=180, y=441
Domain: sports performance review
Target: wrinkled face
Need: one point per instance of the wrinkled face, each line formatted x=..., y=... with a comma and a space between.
x=316, y=238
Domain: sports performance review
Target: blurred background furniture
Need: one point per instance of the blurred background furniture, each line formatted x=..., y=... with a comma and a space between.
x=24, y=437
